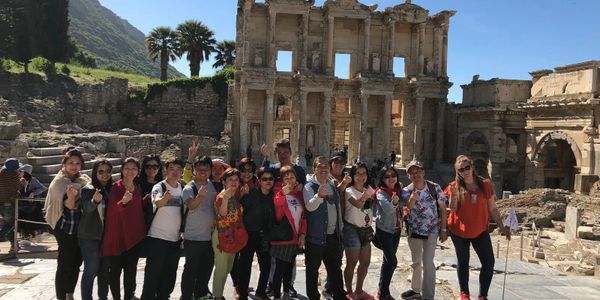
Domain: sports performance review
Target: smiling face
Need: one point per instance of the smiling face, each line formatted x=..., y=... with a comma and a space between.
x=416, y=175
x=465, y=170
x=103, y=174
x=202, y=172
x=266, y=181
x=72, y=166
x=360, y=177
x=337, y=168
x=130, y=171
x=151, y=168
x=289, y=179
x=247, y=173
x=217, y=172
x=390, y=179
x=284, y=155
x=232, y=182
x=174, y=171
x=321, y=169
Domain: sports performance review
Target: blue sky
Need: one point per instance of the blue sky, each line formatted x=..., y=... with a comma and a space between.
x=493, y=38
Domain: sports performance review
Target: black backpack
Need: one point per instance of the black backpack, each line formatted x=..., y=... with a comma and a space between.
x=184, y=210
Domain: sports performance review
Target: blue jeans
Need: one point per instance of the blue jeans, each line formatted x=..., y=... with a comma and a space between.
x=483, y=247
x=389, y=245
x=8, y=214
x=93, y=265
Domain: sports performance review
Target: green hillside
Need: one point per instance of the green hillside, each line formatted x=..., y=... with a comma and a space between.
x=114, y=42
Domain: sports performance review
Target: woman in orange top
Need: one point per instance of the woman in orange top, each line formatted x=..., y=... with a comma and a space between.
x=472, y=203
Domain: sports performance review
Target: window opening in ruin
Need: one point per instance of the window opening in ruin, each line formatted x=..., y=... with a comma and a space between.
x=284, y=61
x=342, y=65
x=283, y=133
x=396, y=113
x=399, y=70
x=513, y=144
x=342, y=105
x=347, y=137
x=283, y=111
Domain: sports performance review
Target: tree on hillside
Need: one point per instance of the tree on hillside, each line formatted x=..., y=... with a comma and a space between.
x=198, y=41
x=58, y=46
x=163, y=42
x=225, y=54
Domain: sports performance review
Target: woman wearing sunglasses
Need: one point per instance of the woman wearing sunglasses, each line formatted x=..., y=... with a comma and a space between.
x=472, y=203
x=258, y=209
x=151, y=173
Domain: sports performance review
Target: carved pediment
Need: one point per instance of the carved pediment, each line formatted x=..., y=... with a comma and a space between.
x=346, y=4
x=291, y=2
x=407, y=12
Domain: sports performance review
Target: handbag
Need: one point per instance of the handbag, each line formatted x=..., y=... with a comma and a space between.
x=234, y=238
x=376, y=242
x=365, y=234
x=281, y=230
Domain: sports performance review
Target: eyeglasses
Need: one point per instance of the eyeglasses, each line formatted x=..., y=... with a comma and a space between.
x=267, y=179
x=152, y=167
x=466, y=168
x=104, y=172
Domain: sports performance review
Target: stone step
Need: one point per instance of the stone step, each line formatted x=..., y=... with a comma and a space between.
x=46, y=179
x=51, y=160
x=53, y=169
x=50, y=151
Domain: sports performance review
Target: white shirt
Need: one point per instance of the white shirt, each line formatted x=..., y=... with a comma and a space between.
x=167, y=221
x=361, y=217
x=295, y=209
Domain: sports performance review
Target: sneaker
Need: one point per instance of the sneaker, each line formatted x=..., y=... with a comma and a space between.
x=464, y=295
x=269, y=290
x=259, y=296
x=41, y=237
x=362, y=295
x=24, y=243
x=327, y=294
x=410, y=294
x=292, y=292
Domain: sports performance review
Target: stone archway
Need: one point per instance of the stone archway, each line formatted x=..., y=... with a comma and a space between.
x=558, y=159
x=478, y=149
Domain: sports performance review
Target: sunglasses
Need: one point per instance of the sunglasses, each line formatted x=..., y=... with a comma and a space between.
x=247, y=170
x=267, y=179
x=389, y=176
x=104, y=172
x=152, y=167
x=466, y=168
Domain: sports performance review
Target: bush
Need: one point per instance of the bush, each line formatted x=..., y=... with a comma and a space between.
x=43, y=65
x=65, y=70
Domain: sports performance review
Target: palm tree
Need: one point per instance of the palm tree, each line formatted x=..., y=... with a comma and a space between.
x=225, y=54
x=198, y=41
x=162, y=42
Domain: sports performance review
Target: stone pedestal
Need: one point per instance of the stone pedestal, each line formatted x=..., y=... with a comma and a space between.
x=9, y=130
x=572, y=221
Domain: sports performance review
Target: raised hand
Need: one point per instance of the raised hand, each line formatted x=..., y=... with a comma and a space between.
x=202, y=192
x=245, y=189
x=97, y=196
x=71, y=191
x=395, y=198
x=127, y=197
x=453, y=201
x=323, y=191
x=264, y=150
x=166, y=196
x=287, y=189
x=347, y=179
x=193, y=150
x=414, y=197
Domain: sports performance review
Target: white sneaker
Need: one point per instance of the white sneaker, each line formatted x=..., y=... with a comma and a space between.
x=24, y=243
x=41, y=237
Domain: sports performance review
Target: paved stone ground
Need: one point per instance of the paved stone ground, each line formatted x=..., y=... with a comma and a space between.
x=33, y=278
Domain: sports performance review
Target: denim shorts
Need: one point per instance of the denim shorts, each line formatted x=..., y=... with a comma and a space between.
x=351, y=239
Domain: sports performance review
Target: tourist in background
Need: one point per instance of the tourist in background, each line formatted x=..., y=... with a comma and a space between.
x=288, y=203
x=124, y=230
x=472, y=204
x=164, y=240
x=94, y=200
x=10, y=184
x=387, y=211
x=258, y=211
x=198, y=196
x=31, y=210
x=358, y=233
x=229, y=212
x=63, y=212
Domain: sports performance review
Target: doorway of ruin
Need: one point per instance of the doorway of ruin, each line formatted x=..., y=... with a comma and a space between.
x=479, y=151
x=558, y=156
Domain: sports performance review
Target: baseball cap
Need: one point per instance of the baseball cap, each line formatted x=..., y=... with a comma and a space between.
x=414, y=163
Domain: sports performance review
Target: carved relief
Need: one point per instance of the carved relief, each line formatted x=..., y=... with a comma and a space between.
x=376, y=61
x=258, y=57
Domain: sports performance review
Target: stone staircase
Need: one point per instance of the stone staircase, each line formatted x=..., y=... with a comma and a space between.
x=46, y=163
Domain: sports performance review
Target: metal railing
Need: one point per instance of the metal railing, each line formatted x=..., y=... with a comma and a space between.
x=17, y=220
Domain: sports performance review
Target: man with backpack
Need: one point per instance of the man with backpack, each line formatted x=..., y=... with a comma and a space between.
x=426, y=203
x=164, y=235
x=198, y=197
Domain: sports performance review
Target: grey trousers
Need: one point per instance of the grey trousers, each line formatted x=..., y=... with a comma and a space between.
x=423, y=269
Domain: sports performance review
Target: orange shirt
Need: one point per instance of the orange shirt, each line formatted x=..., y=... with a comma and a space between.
x=473, y=217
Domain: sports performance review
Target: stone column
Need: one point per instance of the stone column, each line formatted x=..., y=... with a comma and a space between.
x=268, y=119
x=420, y=51
x=326, y=124
x=418, y=138
x=272, y=52
x=438, y=49
x=439, y=134
x=391, y=46
x=302, y=129
x=367, y=52
x=444, y=62
x=364, y=119
x=387, y=123
x=243, y=119
x=304, y=54
x=330, y=29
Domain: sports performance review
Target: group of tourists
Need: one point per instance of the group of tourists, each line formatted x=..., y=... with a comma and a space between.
x=220, y=217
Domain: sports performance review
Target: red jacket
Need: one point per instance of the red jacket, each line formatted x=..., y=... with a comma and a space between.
x=124, y=225
x=281, y=208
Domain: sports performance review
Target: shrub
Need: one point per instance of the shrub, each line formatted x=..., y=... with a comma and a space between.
x=65, y=70
x=43, y=65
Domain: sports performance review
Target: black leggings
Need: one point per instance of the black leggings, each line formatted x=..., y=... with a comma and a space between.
x=126, y=263
x=283, y=274
x=69, y=260
x=483, y=247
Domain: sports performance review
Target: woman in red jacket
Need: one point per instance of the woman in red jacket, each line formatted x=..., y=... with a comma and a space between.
x=289, y=202
x=124, y=229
